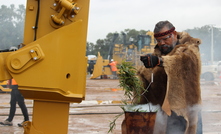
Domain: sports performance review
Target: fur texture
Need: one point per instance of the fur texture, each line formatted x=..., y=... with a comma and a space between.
x=176, y=85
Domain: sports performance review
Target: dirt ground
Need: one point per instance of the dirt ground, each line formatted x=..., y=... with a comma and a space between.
x=101, y=105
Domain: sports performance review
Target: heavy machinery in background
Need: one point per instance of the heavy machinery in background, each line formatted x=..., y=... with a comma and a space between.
x=129, y=52
x=132, y=51
x=210, y=72
x=91, y=60
x=51, y=64
x=101, y=68
x=4, y=88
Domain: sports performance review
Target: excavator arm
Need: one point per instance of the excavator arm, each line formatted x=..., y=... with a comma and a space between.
x=50, y=68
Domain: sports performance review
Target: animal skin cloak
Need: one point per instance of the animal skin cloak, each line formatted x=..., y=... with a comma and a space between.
x=176, y=85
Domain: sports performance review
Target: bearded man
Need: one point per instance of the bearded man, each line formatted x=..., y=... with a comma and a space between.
x=171, y=76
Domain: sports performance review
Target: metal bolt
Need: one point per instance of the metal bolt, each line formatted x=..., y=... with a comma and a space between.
x=77, y=8
x=32, y=51
x=33, y=27
x=72, y=16
x=35, y=58
x=55, y=4
x=62, y=22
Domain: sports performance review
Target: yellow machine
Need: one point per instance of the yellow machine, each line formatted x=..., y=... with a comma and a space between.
x=49, y=68
x=101, y=67
x=130, y=53
x=4, y=88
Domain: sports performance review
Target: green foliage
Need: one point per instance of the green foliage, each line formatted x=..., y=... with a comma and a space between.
x=132, y=86
x=112, y=124
x=129, y=81
x=11, y=25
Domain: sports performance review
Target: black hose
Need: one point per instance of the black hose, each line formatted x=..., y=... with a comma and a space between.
x=36, y=21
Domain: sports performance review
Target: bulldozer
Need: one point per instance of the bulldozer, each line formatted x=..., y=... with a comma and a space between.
x=101, y=68
x=129, y=52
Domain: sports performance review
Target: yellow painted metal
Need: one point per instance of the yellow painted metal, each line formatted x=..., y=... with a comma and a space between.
x=107, y=70
x=51, y=67
x=119, y=53
x=98, y=67
x=152, y=42
x=61, y=65
x=54, y=63
x=5, y=75
x=101, y=67
x=48, y=9
x=51, y=114
x=4, y=89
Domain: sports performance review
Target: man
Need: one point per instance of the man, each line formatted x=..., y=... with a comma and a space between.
x=16, y=96
x=113, y=66
x=171, y=76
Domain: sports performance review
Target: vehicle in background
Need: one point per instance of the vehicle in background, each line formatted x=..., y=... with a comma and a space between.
x=91, y=57
x=211, y=72
x=219, y=69
x=90, y=63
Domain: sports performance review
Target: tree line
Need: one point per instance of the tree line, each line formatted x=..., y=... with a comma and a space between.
x=11, y=25
x=12, y=29
x=206, y=33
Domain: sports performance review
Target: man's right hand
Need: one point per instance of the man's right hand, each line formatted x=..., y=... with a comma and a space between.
x=150, y=61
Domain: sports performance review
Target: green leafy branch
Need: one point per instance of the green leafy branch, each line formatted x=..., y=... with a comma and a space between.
x=131, y=85
x=129, y=81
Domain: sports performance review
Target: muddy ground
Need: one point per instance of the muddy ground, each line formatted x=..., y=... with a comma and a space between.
x=101, y=105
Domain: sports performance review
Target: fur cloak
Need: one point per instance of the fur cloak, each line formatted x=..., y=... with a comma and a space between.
x=176, y=85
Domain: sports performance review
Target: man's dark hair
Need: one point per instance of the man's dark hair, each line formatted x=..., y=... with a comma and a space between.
x=161, y=25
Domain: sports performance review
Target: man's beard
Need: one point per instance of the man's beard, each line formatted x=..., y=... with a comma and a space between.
x=165, y=49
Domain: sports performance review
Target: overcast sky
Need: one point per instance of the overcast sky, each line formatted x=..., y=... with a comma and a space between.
x=116, y=15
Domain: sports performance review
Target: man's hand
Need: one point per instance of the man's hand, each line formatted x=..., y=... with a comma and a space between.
x=150, y=61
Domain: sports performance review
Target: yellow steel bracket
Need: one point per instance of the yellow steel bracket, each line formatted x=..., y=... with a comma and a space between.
x=24, y=58
x=65, y=9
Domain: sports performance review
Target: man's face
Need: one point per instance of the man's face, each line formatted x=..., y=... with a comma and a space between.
x=166, y=43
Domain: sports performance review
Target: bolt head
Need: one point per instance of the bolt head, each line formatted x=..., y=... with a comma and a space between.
x=35, y=58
